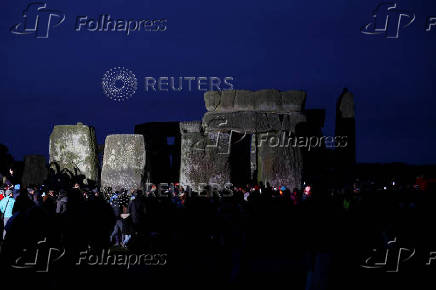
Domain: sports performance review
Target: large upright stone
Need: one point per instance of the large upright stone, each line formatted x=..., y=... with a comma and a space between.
x=273, y=158
x=204, y=157
x=280, y=161
x=192, y=145
x=73, y=149
x=35, y=170
x=345, y=105
x=223, y=137
x=123, y=162
x=346, y=128
x=346, y=131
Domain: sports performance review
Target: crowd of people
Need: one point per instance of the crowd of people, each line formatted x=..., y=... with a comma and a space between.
x=132, y=209
x=221, y=232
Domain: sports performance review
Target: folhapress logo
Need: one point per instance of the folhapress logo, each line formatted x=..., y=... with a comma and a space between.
x=37, y=20
x=388, y=20
x=393, y=256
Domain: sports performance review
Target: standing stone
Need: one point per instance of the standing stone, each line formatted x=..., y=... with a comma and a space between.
x=204, y=157
x=123, y=162
x=253, y=158
x=73, y=148
x=192, y=146
x=220, y=139
x=35, y=170
x=346, y=128
x=345, y=105
x=279, y=161
x=270, y=117
x=346, y=131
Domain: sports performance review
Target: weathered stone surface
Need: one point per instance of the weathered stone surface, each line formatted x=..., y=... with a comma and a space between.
x=190, y=127
x=268, y=100
x=123, y=162
x=252, y=122
x=345, y=156
x=244, y=101
x=227, y=100
x=191, y=158
x=345, y=106
x=279, y=163
x=204, y=157
x=236, y=113
x=35, y=170
x=73, y=148
x=262, y=100
x=293, y=101
x=212, y=100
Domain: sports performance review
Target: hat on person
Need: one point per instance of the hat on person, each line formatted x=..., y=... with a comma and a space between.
x=17, y=186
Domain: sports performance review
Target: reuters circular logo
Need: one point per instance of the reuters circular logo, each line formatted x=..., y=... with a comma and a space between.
x=119, y=84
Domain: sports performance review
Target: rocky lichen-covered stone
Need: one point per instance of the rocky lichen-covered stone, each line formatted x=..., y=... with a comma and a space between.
x=35, y=170
x=252, y=122
x=236, y=114
x=278, y=164
x=261, y=114
x=123, y=162
x=192, y=144
x=73, y=149
x=204, y=157
x=262, y=100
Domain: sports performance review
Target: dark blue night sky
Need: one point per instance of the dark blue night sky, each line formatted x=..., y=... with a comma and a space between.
x=315, y=46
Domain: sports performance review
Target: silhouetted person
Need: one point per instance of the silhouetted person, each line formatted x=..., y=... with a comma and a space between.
x=61, y=202
x=138, y=212
x=6, y=207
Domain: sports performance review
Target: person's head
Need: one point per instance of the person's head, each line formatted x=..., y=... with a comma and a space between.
x=31, y=190
x=76, y=185
x=22, y=203
x=74, y=195
x=8, y=192
x=62, y=193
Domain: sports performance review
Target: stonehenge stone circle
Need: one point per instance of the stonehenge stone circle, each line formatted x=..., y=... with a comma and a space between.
x=256, y=113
